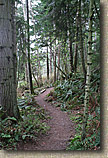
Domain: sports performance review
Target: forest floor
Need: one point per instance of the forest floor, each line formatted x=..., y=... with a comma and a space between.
x=61, y=128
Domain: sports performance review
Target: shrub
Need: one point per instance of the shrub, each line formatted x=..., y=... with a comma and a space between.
x=33, y=123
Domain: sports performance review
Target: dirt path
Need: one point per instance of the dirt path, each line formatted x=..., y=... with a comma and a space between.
x=61, y=128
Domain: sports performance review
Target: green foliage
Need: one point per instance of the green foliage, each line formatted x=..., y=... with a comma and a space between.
x=48, y=17
x=92, y=140
x=70, y=93
x=32, y=124
x=76, y=144
x=22, y=84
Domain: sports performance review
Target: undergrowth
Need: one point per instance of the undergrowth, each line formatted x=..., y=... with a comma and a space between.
x=32, y=124
x=69, y=95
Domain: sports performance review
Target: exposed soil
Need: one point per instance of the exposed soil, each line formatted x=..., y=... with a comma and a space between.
x=61, y=128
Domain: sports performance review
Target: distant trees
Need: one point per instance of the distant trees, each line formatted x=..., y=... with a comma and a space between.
x=65, y=22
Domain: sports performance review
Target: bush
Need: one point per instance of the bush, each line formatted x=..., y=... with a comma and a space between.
x=33, y=123
x=70, y=93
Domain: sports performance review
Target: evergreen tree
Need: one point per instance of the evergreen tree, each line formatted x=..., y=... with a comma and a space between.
x=8, y=97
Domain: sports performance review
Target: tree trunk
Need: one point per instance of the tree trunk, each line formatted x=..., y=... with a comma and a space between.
x=39, y=76
x=89, y=63
x=70, y=26
x=58, y=71
x=8, y=95
x=50, y=60
x=81, y=42
x=66, y=76
x=85, y=51
x=76, y=45
x=26, y=53
x=62, y=63
x=71, y=54
x=47, y=65
x=28, y=40
x=54, y=62
x=26, y=73
x=55, y=67
x=65, y=55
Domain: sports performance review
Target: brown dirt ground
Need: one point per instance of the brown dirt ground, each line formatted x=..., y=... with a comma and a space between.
x=61, y=128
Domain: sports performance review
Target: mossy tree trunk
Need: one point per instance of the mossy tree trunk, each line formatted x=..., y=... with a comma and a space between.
x=88, y=75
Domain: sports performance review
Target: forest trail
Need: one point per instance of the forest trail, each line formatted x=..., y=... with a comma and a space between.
x=61, y=128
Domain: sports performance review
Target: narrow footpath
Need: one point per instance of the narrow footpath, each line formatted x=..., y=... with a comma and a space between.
x=61, y=128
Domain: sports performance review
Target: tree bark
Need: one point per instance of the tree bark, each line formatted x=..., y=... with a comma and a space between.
x=28, y=40
x=58, y=71
x=76, y=45
x=47, y=65
x=88, y=75
x=54, y=62
x=81, y=42
x=26, y=73
x=71, y=54
x=65, y=55
x=26, y=53
x=39, y=76
x=50, y=60
x=66, y=76
x=8, y=94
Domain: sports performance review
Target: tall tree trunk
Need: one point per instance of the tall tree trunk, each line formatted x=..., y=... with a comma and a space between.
x=8, y=95
x=70, y=26
x=58, y=71
x=81, y=42
x=54, y=66
x=85, y=51
x=65, y=55
x=50, y=60
x=28, y=42
x=34, y=76
x=47, y=65
x=26, y=52
x=62, y=63
x=76, y=45
x=13, y=24
x=39, y=76
x=88, y=76
x=54, y=62
x=26, y=73
x=71, y=54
